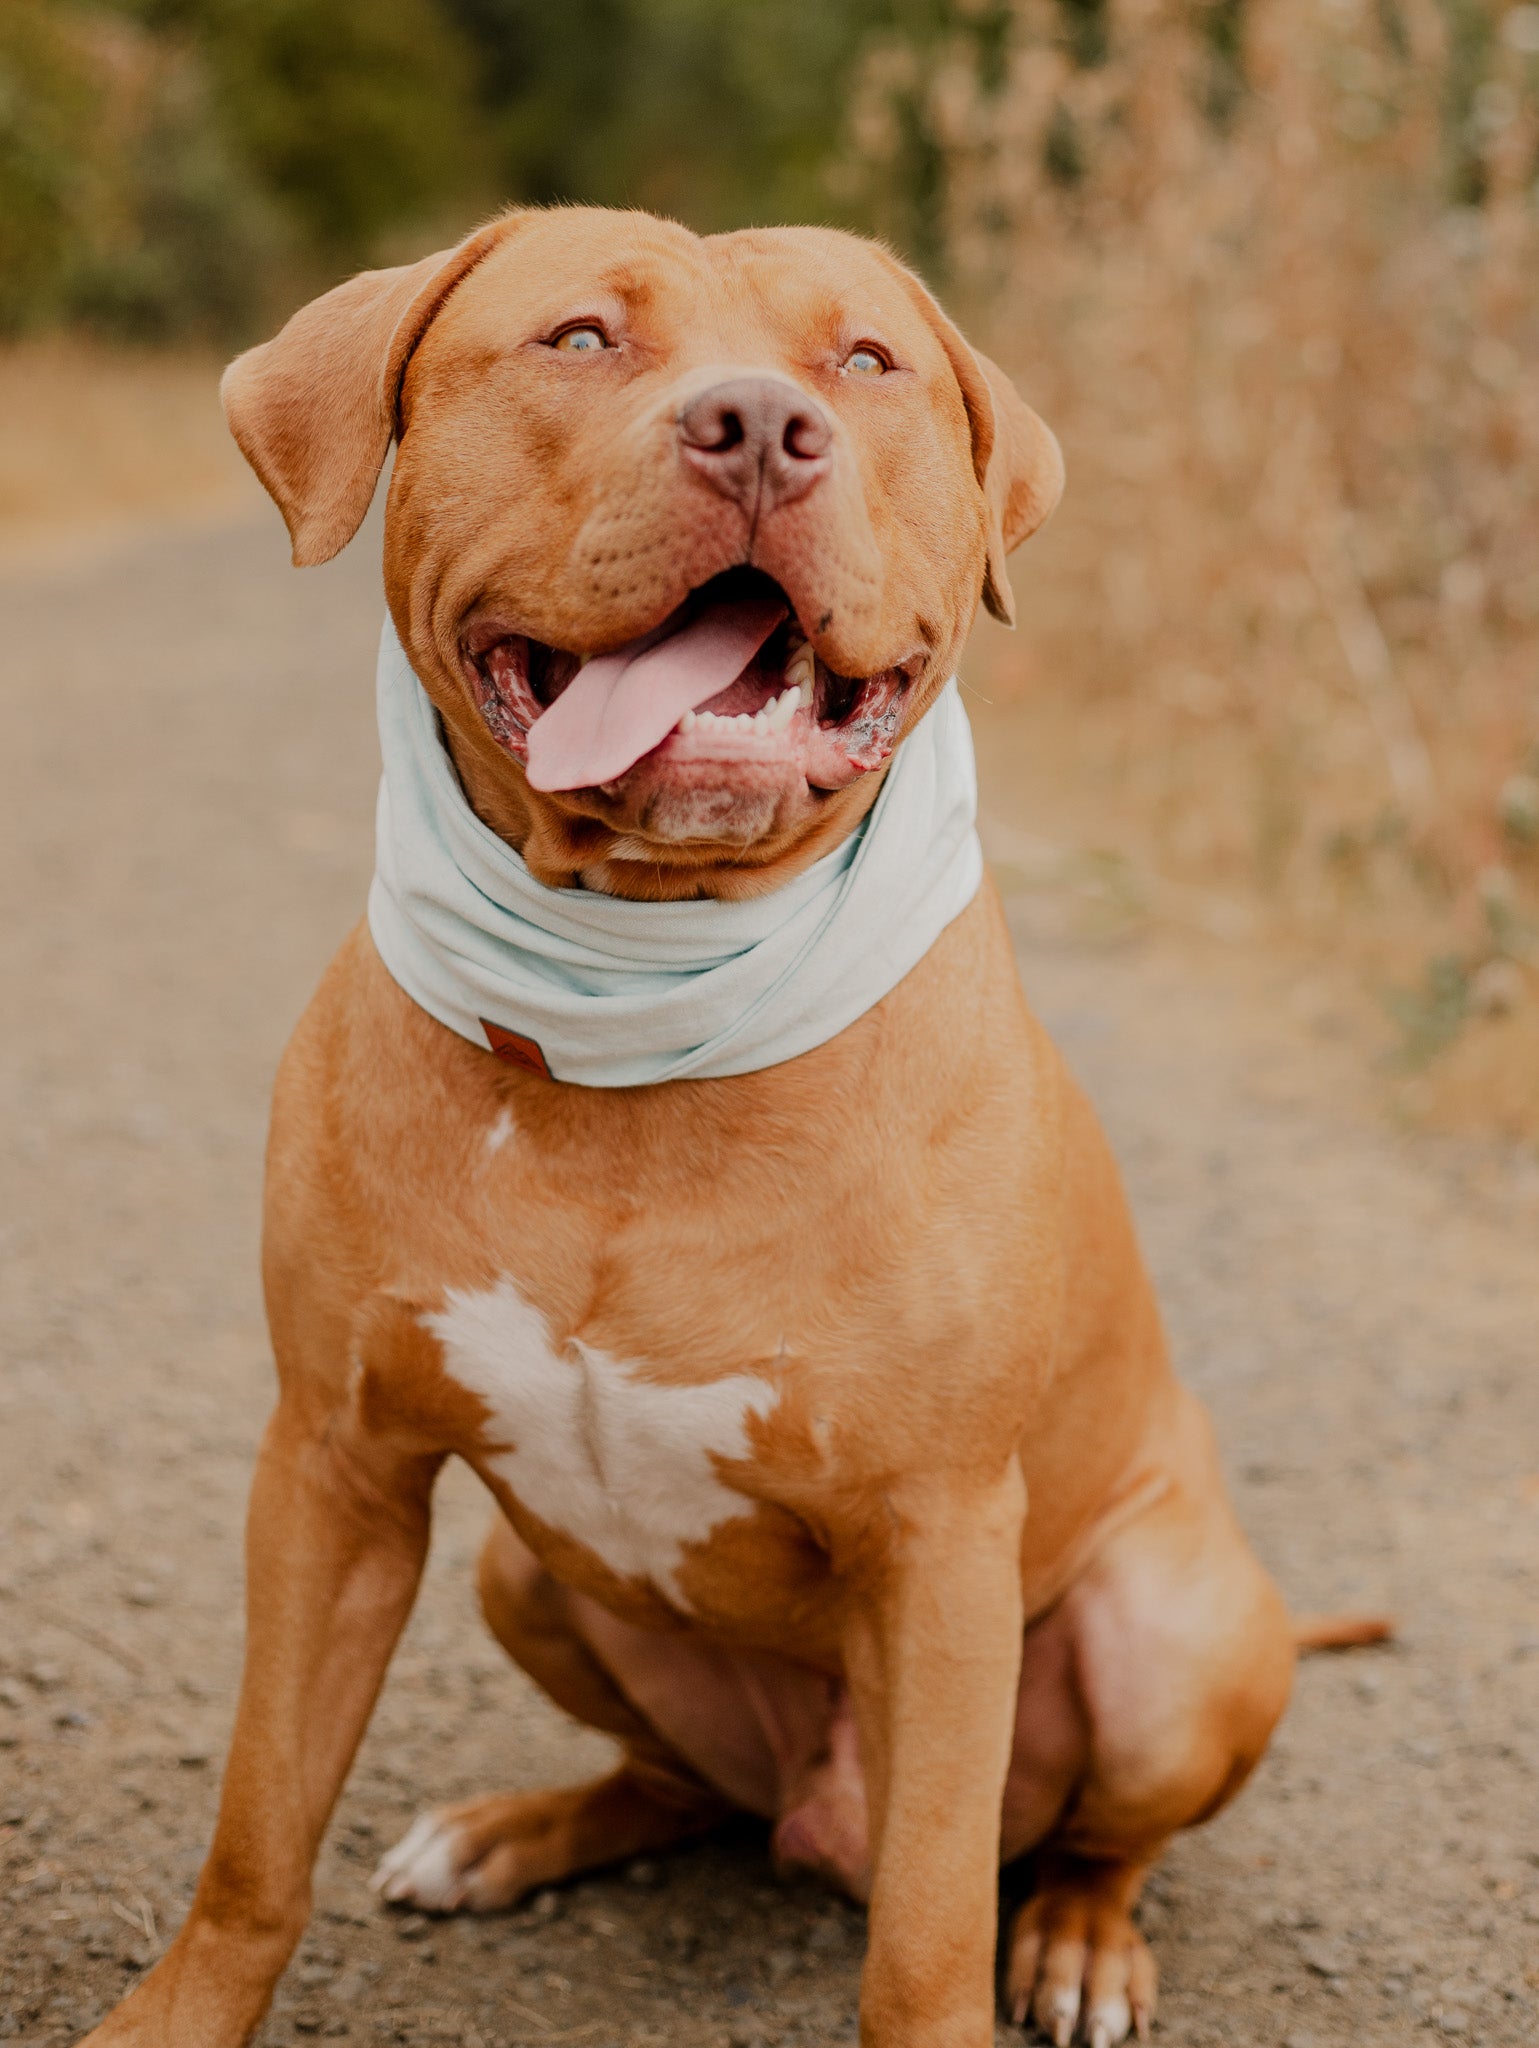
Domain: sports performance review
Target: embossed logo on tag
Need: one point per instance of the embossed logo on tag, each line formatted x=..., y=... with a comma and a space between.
x=515, y=1050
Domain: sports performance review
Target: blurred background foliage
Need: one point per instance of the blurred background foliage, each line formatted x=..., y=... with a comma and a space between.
x=187, y=167
x=184, y=167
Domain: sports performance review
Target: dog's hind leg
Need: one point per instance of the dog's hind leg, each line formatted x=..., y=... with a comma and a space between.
x=484, y=1854
x=1147, y=1696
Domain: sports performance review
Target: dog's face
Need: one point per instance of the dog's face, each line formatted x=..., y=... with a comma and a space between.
x=683, y=535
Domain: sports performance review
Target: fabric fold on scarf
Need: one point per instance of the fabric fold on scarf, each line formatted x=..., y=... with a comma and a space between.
x=608, y=993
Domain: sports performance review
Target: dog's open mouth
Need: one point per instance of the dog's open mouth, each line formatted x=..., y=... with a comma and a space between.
x=730, y=680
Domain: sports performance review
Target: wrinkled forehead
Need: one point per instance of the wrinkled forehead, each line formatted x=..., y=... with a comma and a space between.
x=788, y=294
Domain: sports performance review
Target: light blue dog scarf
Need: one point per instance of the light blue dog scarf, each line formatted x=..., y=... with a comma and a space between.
x=609, y=993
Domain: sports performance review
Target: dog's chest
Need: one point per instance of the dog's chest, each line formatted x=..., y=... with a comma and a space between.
x=598, y=1448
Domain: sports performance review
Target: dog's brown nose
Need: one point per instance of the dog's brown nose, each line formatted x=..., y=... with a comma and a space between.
x=758, y=440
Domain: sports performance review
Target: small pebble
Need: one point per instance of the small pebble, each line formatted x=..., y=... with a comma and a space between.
x=1325, y=1957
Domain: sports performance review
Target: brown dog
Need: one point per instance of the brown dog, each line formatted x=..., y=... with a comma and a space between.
x=840, y=1469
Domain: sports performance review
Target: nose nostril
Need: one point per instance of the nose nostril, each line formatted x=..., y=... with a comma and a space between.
x=713, y=429
x=804, y=438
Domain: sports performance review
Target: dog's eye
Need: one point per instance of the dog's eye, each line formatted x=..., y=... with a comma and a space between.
x=582, y=341
x=865, y=362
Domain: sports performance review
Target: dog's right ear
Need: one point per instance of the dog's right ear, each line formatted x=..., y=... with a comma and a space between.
x=314, y=409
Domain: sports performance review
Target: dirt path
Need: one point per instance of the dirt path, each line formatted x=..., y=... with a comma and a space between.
x=185, y=798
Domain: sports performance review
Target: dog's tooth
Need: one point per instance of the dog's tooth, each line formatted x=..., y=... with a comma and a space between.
x=802, y=674
x=687, y=723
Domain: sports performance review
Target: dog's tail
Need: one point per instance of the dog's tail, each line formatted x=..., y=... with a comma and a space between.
x=1340, y=1631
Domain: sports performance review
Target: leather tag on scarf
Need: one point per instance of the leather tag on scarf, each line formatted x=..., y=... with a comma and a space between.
x=514, y=1050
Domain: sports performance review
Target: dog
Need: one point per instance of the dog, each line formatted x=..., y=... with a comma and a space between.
x=840, y=1471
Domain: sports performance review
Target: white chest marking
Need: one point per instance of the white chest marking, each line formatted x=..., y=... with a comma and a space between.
x=500, y=1132
x=621, y=1464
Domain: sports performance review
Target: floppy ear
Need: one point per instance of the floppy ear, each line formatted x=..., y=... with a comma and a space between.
x=314, y=409
x=1022, y=480
x=1016, y=456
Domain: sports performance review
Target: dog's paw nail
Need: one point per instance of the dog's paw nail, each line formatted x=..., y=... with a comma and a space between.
x=1056, y=2011
x=1109, y=2022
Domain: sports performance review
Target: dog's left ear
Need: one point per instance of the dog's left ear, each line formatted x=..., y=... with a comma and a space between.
x=1021, y=475
x=1016, y=456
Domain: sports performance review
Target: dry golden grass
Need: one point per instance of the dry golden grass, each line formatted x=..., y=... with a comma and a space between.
x=96, y=440
x=1282, y=641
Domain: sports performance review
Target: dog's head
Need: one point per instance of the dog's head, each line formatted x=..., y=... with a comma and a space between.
x=683, y=534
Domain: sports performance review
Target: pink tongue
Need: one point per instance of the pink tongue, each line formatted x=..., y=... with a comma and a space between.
x=623, y=705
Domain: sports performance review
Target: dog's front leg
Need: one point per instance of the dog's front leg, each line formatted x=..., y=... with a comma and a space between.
x=932, y=1656
x=335, y=1538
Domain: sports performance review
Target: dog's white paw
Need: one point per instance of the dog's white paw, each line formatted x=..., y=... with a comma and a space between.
x=429, y=1867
